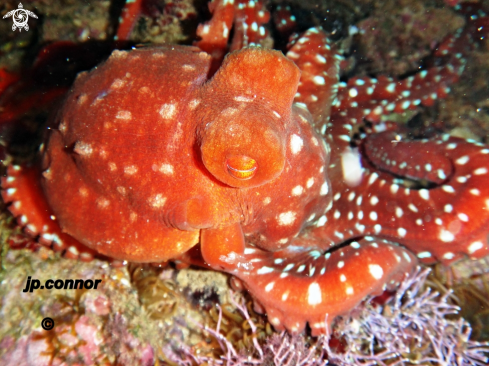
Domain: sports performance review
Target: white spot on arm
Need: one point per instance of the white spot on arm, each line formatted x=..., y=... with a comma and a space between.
x=287, y=218
x=376, y=271
x=296, y=144
x=446, y=236
x=318, y=80
x=297, y=190
x=314, y=296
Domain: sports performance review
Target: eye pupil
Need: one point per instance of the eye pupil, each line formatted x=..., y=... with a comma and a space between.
x=241, y=167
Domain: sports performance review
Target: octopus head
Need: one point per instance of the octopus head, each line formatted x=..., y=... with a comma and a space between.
x=246, y=149
x=244, y=131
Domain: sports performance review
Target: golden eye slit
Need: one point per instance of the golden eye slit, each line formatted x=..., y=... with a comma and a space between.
x=241, y=167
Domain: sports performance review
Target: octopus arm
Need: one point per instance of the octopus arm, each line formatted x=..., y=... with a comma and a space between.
x=22, y=191
x=318, y=61
x=307, y=285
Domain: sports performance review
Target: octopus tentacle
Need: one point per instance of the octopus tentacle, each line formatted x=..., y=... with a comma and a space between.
x=319, y=73
x=285, y=22
x=247, y=17
x=437, y=214
x=327, y=284
x=442, y=222
x=21, y=189
x=403, y=158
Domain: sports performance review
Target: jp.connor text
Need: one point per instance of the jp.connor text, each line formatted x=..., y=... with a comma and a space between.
x=61, y=284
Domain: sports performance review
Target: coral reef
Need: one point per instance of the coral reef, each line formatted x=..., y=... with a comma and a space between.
x=412, y=327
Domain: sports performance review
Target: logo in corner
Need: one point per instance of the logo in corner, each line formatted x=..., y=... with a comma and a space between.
x=20, y=17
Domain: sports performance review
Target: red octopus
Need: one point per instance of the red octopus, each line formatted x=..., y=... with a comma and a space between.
x=154, y=153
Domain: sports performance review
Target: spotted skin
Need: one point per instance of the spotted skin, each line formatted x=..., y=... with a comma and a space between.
x=154, y=154
x=246, y=18
x=324, y=283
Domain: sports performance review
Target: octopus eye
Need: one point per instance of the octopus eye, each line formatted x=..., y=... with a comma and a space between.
x=241, y=167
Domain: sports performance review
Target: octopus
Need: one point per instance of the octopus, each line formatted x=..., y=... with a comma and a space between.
x=245, y=160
